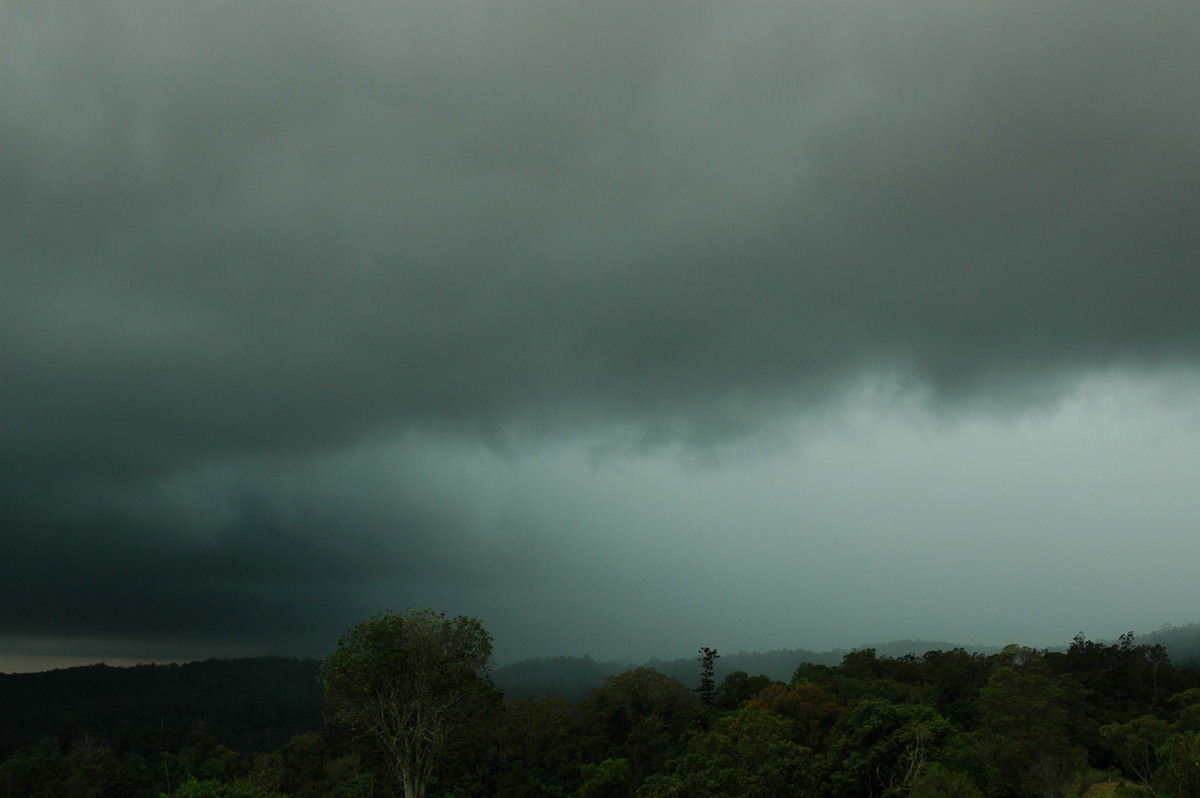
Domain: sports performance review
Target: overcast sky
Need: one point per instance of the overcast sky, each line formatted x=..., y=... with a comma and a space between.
x=626, y=327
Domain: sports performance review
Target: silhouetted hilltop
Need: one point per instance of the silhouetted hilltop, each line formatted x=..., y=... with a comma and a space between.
x=254, y=703
x=1181, y=642
x=570, y=677
x=574, y=677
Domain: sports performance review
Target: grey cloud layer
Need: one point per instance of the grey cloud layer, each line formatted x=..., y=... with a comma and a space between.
x=291, y=223
x=268, y=229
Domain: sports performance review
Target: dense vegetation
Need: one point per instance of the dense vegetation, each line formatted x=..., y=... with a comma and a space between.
x=949, y=722
x=253, y=704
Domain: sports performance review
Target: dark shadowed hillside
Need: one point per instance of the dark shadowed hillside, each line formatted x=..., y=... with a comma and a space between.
x=569, y=677
x=574, y=677
x=1181, y=642
x=256, y=703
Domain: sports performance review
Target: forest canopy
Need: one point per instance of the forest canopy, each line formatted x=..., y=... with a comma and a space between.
x=1014, y=723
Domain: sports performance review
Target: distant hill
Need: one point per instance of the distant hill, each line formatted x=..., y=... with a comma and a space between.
x=574, y=677
x=1181, y=642
x=256, y=704
x=569, y=677
x=782, y=663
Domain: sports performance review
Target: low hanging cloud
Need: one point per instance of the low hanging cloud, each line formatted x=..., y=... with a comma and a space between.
x=241, y=241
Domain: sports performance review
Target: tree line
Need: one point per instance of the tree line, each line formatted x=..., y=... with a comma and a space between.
x=411, y=709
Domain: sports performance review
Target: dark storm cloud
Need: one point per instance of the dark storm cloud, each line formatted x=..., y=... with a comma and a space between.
x=268, y=230
x=261, y=554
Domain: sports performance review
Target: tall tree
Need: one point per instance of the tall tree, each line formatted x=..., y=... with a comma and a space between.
x=810, y=711
x=708, y=685
x=640, y=716
x=881, y=747
x=411, y=682
x=748, y=753
x=1027, y=712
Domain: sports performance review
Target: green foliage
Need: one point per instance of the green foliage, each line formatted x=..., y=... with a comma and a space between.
x=538, y=748
x=811, y=713
x=1027, y=706
x=211, y=788
x=747, y=753
x=947, y=724
x=1135, y=744
x=411, y=683
x=882, y=746
x=638, y=715
x=86, y=767
x=36, y=771
x=738, y=687
x=1178, y=774
x=935, y=781
x=861, y=664
x=861, y=675
x=1181, y=642
x=312, y=766
x=815, y=673
x=1120, y=676
x=1026, y=711
x=1188, y=702
x=612, y=778
x=955, y=678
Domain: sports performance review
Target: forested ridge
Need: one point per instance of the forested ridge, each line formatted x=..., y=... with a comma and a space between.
x=259, y=702
x=254, y=703
x=946, y=722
